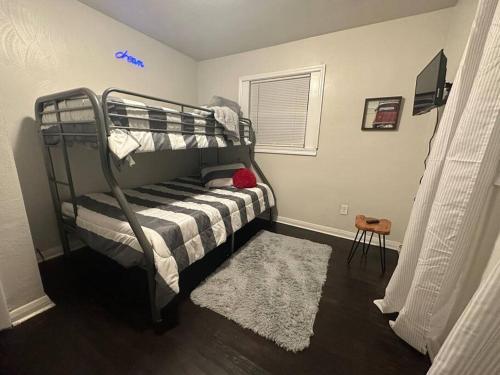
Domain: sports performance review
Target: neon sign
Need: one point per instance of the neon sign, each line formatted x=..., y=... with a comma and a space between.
x=129, y=58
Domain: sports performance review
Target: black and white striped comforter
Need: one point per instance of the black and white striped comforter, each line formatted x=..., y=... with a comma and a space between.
x=178, y=126
x=182, y=220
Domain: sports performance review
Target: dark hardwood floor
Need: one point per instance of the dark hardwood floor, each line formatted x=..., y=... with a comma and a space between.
x=100, y=324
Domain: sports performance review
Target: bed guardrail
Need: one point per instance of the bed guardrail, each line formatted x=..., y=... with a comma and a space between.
x=101, y=112
x=176, y=118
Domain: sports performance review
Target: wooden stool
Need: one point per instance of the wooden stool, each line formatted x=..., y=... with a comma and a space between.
x=382, y=228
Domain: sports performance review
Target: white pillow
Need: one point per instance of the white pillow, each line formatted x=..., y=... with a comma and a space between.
x=219, y=175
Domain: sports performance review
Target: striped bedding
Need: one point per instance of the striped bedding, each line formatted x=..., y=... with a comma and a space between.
x=140, y=116
x=182, y=219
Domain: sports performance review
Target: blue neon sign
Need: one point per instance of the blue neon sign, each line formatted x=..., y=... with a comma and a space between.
x=129, y=58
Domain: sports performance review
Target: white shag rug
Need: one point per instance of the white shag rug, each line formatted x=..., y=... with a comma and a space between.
x=272, y=286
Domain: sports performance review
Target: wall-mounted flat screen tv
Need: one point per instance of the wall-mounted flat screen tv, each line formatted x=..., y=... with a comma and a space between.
x=429, y=89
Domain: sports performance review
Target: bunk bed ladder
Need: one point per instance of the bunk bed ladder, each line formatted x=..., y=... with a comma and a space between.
x=67, y=165
x=55, y=183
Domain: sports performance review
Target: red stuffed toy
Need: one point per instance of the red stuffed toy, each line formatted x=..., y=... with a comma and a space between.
x=244, y=178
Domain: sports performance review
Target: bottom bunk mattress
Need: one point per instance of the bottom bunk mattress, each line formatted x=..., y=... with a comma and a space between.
x=181, y=218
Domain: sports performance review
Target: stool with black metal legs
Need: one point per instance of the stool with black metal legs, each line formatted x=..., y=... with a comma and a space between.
x=382, y=228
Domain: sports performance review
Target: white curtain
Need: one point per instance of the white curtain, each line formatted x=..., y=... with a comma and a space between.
x=437, y=247
x=473, y=345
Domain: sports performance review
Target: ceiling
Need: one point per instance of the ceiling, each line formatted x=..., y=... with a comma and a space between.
x=205, y=29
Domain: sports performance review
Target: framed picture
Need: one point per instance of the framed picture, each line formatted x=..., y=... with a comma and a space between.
x=382, y=113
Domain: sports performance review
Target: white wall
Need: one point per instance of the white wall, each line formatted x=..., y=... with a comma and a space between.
x=376, y=173
x=19, y=277
x=52, y=45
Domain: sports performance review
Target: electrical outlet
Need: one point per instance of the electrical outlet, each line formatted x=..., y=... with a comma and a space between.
x=344, y=209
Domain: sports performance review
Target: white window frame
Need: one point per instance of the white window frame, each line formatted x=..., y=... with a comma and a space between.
x=313, y=124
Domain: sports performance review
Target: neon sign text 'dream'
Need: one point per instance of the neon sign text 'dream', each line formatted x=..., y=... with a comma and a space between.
x=129, y=58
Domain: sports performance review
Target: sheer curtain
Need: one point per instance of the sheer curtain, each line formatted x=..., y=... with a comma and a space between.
x=4, y=312
x=473, y=345
x=437, y=247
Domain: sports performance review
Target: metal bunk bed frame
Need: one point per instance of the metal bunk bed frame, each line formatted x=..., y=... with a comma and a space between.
x=100, y=109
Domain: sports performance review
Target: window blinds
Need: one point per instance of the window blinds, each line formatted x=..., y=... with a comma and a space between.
x=278, y=110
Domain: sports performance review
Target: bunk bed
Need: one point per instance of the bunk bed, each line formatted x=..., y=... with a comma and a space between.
x=161, y=227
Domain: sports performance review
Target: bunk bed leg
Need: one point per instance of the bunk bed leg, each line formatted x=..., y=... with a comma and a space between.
x=273, y=211
x=232, y=242
x=65, y=243
x=155, y=311
x=56, y=200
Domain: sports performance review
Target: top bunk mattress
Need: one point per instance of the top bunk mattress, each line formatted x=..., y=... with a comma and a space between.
x=164, y=128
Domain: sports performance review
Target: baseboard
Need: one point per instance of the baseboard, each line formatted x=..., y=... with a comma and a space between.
x=393, y=245
x=57, y=251
x=25, y=312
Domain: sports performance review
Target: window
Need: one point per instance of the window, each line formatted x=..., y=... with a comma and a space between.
x=285, y=109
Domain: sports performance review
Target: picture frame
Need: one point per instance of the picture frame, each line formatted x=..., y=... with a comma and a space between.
x=382, y=113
